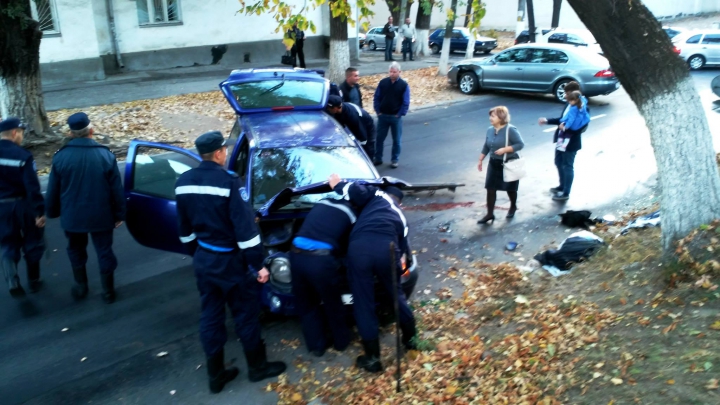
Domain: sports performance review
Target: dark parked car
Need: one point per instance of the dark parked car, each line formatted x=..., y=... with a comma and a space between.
x=537, y=68
x=524, y=36
x=459, y=41
x=282, y=146
x=672, y=32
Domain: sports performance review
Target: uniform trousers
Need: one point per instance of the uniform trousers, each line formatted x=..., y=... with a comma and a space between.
x=102, y=240
x=224, y=279
x=369, y=257
x=316, y=280
x=18, y=232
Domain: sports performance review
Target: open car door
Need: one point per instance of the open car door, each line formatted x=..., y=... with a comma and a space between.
x=150, y=175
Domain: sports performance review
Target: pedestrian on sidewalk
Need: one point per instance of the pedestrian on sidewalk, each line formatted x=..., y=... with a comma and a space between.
x=22, y=209
x=297, y=35
x=355, y=119
x=350, y=88
x=495, y=146
x=408, y=34
x=84, y=190
x=218, y=229
x=389, y=32
x=391, y=103
x=565, y=160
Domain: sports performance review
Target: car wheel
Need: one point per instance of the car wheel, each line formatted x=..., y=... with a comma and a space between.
x=559, y=91
x=468, y=82
x=372, y=46
x=696, y=62
x=435, y=49
x=487, y=52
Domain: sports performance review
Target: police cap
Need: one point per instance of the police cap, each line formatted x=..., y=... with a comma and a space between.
x=394, y=191
x=334, y=101
x=209, y=142
x=11, y=123
x=78, y=121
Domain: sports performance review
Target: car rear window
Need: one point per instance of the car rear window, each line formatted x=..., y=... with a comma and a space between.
x=278, y=93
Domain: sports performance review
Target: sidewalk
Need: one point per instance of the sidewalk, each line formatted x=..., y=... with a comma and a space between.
x=195, y=79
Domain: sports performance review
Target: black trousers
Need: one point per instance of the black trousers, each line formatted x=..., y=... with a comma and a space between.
x=77, y=249
x=18, y=233
x=297, y=51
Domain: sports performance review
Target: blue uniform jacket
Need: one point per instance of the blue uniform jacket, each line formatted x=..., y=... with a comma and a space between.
x=380, y=217
x=18, y=177
x=329, y=221
x=211, y=212
x=357, y=120
x=84, y=188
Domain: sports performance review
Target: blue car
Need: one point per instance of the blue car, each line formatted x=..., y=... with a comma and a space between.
x=459, y=41
x=283, y=146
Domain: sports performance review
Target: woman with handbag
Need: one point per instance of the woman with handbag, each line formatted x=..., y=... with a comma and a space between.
x=505, y=167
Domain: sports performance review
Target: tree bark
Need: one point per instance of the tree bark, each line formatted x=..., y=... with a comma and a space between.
x=403, y=11
x=531, y=20
x=659, y=84
x=556, y=13
x=20, y=85
x=339, y=49
x=445, y=54
x=394, y=8
x=422, y=25
x=468, y=11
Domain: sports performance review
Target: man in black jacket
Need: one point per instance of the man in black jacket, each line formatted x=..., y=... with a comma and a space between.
x=391, y=103
x=84, y=189
x=564, y=161
x=350, y=89
x=389, y=32
x=357, y=120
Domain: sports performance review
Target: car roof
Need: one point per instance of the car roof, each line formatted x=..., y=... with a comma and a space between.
x=269, y=73
x=560, y=47
x=289, y=129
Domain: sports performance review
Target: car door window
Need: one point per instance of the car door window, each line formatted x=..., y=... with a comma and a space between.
x=514, y=56
x=695, y=39
x=232, y=140
x=156, y=171
x=575, y=40
x=457, y=34
x=241, y=164
x=557, y=39
x=712, y=39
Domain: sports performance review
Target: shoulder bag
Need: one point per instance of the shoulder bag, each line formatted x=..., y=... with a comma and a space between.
x=513, y=170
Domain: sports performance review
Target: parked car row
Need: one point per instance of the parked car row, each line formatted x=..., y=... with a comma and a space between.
x=375, y=39
x=698, y=48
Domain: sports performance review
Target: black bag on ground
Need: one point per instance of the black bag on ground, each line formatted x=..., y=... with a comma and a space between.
x=575, y=219
x=287, y=59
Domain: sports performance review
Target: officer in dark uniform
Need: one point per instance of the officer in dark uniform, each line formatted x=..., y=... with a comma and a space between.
x=219, y=230
x=84, y=189
x=316, y=277
x=380, y=222
x=357, y=120
x=22, y=209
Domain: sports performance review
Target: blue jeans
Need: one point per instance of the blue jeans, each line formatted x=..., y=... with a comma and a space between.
x=388, y=49
x=407, y=48
x=394, y=124
x=564, y=162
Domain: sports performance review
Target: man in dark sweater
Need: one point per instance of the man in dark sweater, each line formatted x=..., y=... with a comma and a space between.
x=391, y=103
x=350, y=88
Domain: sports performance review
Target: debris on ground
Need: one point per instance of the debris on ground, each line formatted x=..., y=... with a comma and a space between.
x=643, y=222
x=576, y=248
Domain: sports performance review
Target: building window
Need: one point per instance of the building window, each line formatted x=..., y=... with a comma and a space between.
x=158, y=11
x=43, y=11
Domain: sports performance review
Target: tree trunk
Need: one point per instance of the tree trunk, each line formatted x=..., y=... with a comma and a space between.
x=20, y=86
x=556, y=13
x=339, y=49
x=470, y=50
x=394, y=8
x=468, y=11
x=403, y=11
x=422, y=25
x=531, y=20
x=445, y=54
x=659, y=84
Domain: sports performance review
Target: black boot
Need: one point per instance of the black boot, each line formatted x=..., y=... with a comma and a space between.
x=408, y=334
x=80, y=289
x=370, y=361
x=219, y=376
x=258, y=366
x=108, y=285
x=33, y=272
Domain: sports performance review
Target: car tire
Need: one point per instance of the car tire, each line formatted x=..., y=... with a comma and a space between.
x=696, y=62
x=435, y=49
x=468, y=82
x=559, y=90
x=487, y=52
x=372, y=46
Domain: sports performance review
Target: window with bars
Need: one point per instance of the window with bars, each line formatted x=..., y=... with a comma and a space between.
x=158, y=11
x=43, y=11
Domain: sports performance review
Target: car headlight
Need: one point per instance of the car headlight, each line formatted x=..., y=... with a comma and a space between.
x=280, y=270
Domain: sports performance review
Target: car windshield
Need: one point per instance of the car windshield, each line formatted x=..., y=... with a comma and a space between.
x=278, y=93
x=274, y=169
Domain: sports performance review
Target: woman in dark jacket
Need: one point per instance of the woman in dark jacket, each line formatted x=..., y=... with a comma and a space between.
x=495, y=146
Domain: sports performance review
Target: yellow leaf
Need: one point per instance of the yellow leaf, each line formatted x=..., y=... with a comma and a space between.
x=450, y=390
x=296, y=397
x=715, y=326
x=616, y=381
x=671, y=382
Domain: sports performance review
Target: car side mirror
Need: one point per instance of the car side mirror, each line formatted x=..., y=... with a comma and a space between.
x=492, y=61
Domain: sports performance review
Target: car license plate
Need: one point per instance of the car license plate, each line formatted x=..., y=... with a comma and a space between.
x=347, y=299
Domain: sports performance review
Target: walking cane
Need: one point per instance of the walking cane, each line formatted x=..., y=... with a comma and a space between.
x=393, y=267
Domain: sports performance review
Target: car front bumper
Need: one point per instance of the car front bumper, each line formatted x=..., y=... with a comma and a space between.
x=485, y=46
x=453, y=75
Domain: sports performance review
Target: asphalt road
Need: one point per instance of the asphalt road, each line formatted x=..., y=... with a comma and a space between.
x=108, y=352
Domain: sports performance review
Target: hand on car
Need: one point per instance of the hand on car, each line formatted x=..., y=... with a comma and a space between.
x=263, y=276
x=334, y=180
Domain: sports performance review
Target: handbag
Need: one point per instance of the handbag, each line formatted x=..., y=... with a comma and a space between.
x=513, y=170
x=287, y=59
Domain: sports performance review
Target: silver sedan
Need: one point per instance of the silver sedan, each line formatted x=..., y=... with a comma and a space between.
x=537, y=68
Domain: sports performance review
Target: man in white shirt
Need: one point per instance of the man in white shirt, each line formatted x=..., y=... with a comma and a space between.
x=408, y=35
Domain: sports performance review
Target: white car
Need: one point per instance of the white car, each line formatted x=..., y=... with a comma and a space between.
x=575, y=37
x=699, y=48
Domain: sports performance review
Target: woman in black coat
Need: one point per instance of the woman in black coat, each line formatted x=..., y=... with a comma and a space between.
x=495, y=146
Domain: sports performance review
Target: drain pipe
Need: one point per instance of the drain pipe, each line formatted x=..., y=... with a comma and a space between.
x=113, y=33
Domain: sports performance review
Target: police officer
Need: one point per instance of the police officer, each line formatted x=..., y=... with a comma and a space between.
x=219, y=230
x=316, y=277
x=380, y=222
x=84, y=189
x=22, y=209
x=357, y=120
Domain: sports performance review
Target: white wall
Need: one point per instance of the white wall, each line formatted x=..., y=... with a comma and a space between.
x=77, y=38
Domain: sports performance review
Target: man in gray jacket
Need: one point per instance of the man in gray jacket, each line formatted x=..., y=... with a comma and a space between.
x=407, y=34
